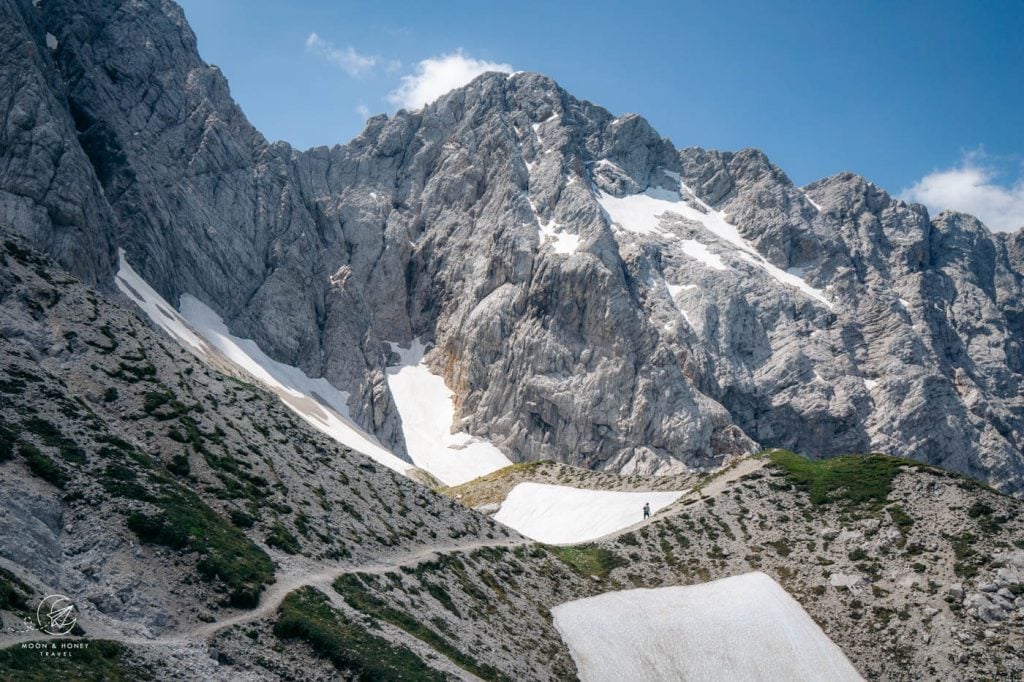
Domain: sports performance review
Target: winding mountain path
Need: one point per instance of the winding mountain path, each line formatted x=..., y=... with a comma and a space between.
x=287, y=581
x=710, y=488
x=275, y=594
x=303, y=574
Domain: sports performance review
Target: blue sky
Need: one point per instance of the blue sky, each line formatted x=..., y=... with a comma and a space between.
x=925, y=98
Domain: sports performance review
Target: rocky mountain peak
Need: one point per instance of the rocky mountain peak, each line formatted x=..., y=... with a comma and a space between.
x=626, y=305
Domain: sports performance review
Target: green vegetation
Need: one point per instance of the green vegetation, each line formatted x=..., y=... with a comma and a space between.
x=154, y=400
x=900, y=518
x=968, y=559
x=8, y=439
x=979, y=508
x=51, y=436
x=42, y=466
x=588, y=560
x=520, y=468
x=356, y=595
x=858, y=554
x=133, y=374
x=281, y=538
x=226, y=554
x=101, y=661
x=488, y=488
x=241, y=519
x=307, y=615
x=237, y=481
x=179, y=465
x=14, y=594
x=851, y=478
x=782, y=547
x=988, y=521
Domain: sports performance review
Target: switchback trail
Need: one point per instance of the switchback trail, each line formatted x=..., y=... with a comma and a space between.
x=288, y=581
x=305, y=575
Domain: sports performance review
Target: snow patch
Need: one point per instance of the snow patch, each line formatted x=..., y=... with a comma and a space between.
x=674, y=289
x=641, y=214
x=745, y=627
x=428, y=414
x=787, y=278
x=201, y=331
x=315, y=400
x=536, y=127
x=811, y=201
x=51, y=41
x=694, y=249
x=605, y=163
x=156, y=308
x=551, y=232
x=562, y=242
x=637, y=213
x=558, y=514
x=870, y=384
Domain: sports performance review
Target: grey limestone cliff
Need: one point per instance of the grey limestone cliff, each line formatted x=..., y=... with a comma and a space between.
x=832, y=318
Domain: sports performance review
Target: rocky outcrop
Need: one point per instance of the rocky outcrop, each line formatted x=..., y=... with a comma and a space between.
x=1000, y=598
x=48, y=188
x=840, y=319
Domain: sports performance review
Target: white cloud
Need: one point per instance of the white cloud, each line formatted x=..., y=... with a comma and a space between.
x=438, y=75
x=351, y=62
x=972, y=187
x=363, y=111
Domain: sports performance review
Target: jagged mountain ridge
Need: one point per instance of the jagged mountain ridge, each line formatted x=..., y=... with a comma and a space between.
x=485, y=223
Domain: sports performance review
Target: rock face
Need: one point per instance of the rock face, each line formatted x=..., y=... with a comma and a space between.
x=594, y=295
x=104, y=424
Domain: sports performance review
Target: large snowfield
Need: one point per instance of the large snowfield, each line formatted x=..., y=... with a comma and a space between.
x=423, y=401
x=737, y=629
x=427, y=409
x=548, y=513
x=201, y=330
x=560, y=515
x=641, y=213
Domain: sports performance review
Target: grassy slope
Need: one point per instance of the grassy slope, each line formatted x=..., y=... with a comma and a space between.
x=307, y=615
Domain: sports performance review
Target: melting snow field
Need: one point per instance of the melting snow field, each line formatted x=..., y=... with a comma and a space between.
x=427, y=411
x=562, y=242
x=156, y=308
x=811, y=201
x=694, y=249
x=560, y=515
x=736, y=629
x=550, y=232
x=201, y=330
x=423, y=400
x=641, y=213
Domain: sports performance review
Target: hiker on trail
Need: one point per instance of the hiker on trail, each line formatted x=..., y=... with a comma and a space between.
x=647, y=510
